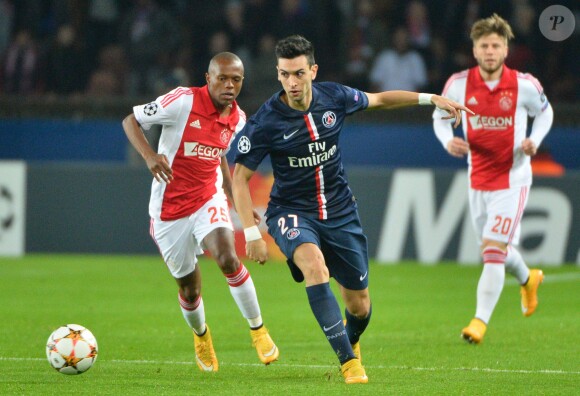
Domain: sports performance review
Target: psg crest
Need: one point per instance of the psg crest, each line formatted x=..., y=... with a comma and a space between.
x=328, y=119
x=292, y=233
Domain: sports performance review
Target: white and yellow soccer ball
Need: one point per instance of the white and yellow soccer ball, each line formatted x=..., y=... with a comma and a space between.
x=71, y=349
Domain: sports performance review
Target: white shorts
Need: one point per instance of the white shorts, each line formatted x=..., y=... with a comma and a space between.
x=180, y=241
x=497, y=215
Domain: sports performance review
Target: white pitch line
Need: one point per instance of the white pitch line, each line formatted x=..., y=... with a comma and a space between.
x=550, y=278
x=474, y=369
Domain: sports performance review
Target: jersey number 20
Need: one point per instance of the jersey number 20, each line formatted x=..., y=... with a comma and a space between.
x=502, y=225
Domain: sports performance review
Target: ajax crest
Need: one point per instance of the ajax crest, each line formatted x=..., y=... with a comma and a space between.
x=225, y=136
x=505, y=103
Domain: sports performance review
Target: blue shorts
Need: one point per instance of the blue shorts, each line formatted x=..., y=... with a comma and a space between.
x=341, y=241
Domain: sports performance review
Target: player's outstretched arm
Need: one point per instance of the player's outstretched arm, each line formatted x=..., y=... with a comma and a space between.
x=396, y=99
x=157, y=163
x=255, y=246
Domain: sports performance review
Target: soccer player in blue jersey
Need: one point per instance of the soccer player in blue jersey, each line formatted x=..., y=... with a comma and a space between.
x=312, y=214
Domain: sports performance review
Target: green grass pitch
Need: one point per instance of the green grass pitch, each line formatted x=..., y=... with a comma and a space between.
x=412, y=346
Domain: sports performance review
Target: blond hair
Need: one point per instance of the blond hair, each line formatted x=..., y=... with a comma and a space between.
x=493, y=24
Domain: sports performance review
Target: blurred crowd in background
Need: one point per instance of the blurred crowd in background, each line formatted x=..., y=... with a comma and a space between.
x=144, y=48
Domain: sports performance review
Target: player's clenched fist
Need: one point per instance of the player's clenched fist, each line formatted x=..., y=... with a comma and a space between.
x=529, y=147
x=257, y=251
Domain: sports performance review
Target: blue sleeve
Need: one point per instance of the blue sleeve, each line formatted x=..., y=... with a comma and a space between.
x=354, y=99
x=253, y=145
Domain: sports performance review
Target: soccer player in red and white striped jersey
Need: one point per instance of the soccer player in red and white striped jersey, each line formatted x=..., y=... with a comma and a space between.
x=188, y=205
x=498, y=152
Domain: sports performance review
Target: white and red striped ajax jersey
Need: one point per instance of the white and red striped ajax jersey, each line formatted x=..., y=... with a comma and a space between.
x=194, y=138
x=496, y=131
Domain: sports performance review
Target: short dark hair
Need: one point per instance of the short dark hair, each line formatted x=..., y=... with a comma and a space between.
x=224, y=57
x=294, y=46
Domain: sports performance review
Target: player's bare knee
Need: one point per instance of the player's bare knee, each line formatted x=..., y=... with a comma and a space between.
x=362, y=312
x=316, y=272
x=228, y=262
x=190, y=293
x=361, y=308
x=357, y=302
x=488, y=243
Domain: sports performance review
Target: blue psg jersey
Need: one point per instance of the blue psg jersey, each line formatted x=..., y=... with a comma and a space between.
x=309, y=177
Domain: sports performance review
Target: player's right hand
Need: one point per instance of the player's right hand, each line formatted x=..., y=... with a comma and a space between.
x=257, y=250
x=452, y=108
x=159, y=167
x=457, y=147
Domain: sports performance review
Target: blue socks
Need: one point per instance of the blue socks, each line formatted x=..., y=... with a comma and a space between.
x=355, y=326
x=327, y=313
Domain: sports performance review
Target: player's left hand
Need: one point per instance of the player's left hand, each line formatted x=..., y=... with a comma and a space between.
x=529, y=147
x=452, y=108
x=160, y=168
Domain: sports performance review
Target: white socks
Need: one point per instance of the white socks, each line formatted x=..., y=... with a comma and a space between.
x=244, y=294
x=515, y=265
x=194, y=314
x=490, y=283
